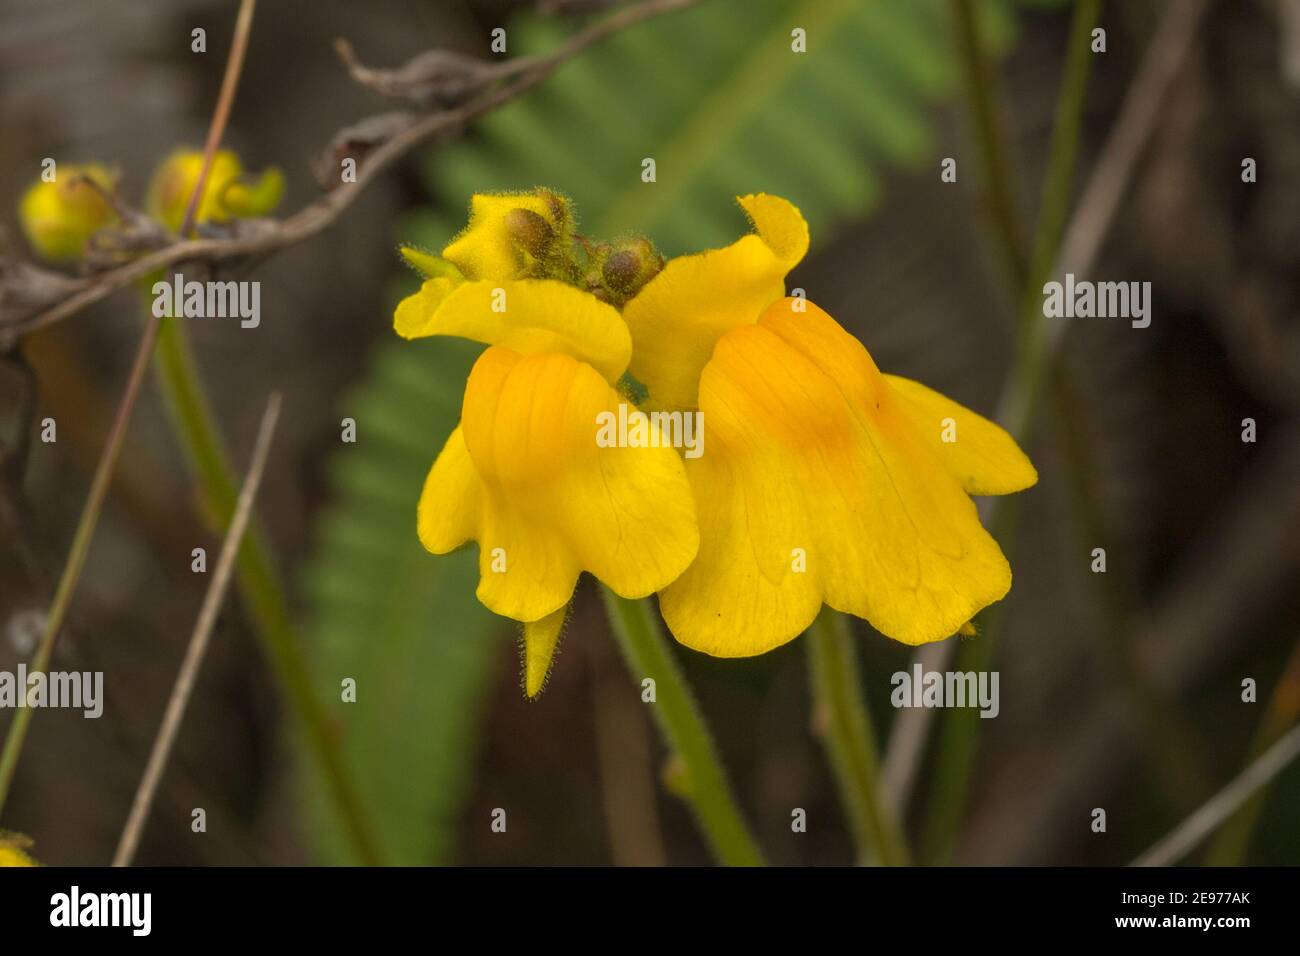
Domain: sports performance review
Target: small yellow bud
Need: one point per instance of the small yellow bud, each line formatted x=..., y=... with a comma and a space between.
x=60, y=217
x=226, y=193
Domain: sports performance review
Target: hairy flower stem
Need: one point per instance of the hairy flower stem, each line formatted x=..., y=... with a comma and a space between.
x=841, y=714
x=706, y=788
x=259, y=586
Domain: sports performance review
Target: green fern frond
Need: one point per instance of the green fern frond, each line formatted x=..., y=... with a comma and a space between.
x=401, y=623
x=716, y=96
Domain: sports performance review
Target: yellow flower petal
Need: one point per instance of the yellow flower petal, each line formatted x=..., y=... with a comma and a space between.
x=12, y=856
x=530, y=316
x=817, y=486
x=448, y=513
x=541, y=638
x=525, y=478
x=60, y=217
x=778, y=223
x=682, y=312
x=498, y=247
x=980, y=454
x=415, y=314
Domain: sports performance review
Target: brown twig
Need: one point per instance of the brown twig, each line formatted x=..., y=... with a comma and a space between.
x=1203, y=822
x=221, y=115
x=67, y=299
x=94, y=506
x=198, y=644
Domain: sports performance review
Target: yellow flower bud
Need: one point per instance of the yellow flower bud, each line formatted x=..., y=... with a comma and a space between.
x=227, y=193
x=60, y=217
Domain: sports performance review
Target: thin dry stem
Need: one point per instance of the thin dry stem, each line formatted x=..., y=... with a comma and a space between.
x=199, y=639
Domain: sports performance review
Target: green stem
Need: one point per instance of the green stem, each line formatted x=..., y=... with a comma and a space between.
x=78, y=552
x=648, y=654
x=259, y=585
x=990, y=139
x=850, y=741
x=1058, y=192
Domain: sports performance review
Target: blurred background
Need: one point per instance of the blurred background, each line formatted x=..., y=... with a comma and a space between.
x=1121, y=691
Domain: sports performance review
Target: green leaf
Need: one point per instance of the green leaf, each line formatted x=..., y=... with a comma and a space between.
x=719, y=100
x=399, y=621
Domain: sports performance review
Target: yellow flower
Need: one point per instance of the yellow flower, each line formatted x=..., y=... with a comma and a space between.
x=828, y=482
x=227, y=192
x=822, y=480
x=60, y=217
x=523, y=474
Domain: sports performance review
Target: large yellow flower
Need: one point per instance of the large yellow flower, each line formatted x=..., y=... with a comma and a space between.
x=822, y=481
x=523, y=475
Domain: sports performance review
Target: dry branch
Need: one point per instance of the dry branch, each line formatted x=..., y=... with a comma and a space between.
x=32, y=298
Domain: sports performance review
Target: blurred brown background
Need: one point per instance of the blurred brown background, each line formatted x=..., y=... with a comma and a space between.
x=1200, y=528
